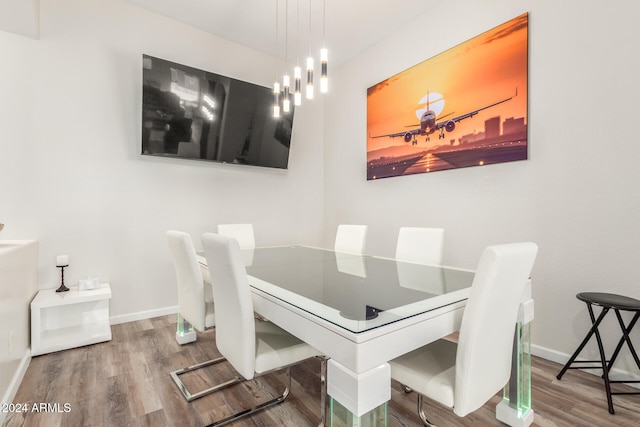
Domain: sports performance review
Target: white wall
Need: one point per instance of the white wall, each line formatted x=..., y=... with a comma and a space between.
x=71, y=173
x=20, y=17
x=18, y=286
x=577, y=196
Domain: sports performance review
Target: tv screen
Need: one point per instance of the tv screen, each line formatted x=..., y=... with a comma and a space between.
x=194, y=114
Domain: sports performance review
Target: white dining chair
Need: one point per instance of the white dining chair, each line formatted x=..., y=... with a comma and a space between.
x=243, y=233
x=464, y=376
x=420, y=245
x=252, y=347
x=195, y=297
x=351, y=238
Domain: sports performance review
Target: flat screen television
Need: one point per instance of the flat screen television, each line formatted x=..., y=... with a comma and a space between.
x=194, y=114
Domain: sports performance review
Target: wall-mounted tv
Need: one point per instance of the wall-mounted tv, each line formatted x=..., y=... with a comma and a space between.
x=194, y=114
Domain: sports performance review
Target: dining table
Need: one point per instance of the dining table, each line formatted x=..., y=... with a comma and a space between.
x=362, y=311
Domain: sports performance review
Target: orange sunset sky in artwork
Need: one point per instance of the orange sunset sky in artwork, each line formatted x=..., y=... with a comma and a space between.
x=472, y=75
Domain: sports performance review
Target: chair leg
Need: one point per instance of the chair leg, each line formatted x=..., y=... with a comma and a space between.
x=249, y=411
x=421, y=413
x=175, y=375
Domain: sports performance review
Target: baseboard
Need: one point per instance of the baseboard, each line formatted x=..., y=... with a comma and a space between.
x=548, y=354
x=15, y=383
x=141, y=315
x=562, y=358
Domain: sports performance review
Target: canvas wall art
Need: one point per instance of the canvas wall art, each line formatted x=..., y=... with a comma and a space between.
x=464, y=107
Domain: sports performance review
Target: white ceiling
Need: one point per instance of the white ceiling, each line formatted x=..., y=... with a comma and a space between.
x=351, y=25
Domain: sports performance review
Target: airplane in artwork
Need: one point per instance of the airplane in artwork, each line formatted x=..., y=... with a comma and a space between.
x=428, y=123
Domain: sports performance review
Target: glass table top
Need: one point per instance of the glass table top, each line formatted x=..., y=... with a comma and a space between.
x=355, y=292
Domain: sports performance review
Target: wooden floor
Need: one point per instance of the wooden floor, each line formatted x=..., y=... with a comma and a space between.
x=125, y=382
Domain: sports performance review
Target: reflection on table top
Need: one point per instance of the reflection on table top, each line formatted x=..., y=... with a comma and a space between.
x=355, y=292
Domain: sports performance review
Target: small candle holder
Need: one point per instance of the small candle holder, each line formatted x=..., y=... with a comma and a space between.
x=62, y=287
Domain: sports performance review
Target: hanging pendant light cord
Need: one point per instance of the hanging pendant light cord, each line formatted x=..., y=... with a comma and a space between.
x=286, y=34
x=324, y=21
x=276, y=25
x=297, y=31
x=309, y=27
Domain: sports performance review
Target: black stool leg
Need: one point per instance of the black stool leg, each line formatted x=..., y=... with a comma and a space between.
x=584, y=342
x=625, y=338
x=605, y=368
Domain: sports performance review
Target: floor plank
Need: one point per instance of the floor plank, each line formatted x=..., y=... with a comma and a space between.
x=125, y=382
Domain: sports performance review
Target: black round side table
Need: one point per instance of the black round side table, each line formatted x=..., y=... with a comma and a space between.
x=607, y=302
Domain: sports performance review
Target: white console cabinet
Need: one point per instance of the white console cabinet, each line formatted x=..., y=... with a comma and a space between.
x=62, y=320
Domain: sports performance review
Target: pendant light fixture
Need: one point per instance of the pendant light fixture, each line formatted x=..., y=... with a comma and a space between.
x=276, y=99
x=286, y=102
x=310, y=77
x=282, y=99
x=297, y=76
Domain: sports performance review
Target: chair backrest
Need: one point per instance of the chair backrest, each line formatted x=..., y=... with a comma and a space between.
x=191, y=301
x=351, y=238
x=420, y=245
x=235, y=327
x=483, y=359
x=243, y=233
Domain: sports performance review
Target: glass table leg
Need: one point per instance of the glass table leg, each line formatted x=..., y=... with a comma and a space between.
x=341, y=417
x=515, y=408
x=184, y=331
x=358, y=399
